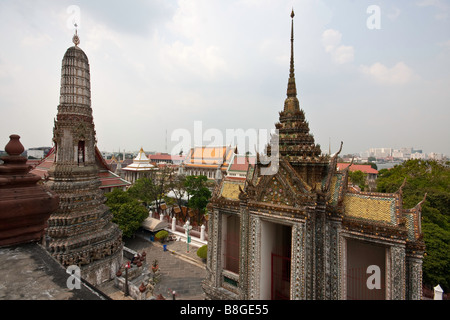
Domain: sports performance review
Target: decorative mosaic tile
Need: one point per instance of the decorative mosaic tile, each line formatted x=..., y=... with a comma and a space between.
x=370, y=207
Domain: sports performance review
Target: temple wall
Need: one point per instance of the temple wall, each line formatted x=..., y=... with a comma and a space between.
x=98, y=272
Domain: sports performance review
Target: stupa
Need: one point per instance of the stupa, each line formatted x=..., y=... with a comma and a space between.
x=81, y=231
x=141, y=167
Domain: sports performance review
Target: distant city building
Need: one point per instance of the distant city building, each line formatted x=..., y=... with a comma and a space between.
x=400, y=154
x=38, y=153
x=436, y=156
x=417, y=155
x=380, y=152
x=35, y=153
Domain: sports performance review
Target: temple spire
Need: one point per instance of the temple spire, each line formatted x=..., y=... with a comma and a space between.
x=75, y=38
x=292, y=90
x=291, y=104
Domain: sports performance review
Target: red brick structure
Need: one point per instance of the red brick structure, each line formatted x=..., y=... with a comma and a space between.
x=25, y=206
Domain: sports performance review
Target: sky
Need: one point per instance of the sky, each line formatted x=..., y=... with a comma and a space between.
x=169, y=74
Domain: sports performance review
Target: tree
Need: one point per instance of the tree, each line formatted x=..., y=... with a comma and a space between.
x=153, y=189
x=198, y=194
x=358, y=178
x=432, y=178
x=178, y=187
x=127, y=212
x=144, y=190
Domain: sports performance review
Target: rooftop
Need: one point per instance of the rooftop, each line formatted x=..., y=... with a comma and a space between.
x=30, y=273
x=357, y=167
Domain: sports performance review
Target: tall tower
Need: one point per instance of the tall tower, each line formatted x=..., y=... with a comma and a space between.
x=296, y=144
x=80, y=232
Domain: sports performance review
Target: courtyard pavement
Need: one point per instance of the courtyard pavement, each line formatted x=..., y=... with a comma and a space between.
x=181, y=271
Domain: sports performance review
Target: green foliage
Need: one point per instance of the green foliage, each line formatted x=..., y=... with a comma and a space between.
x=152, y=188
x=359, y=178
x=162, y=234
x=117, y=197
x=202, y=252
x=199, y=194
x=144, y=190
x=127, y=212
x=433, y=178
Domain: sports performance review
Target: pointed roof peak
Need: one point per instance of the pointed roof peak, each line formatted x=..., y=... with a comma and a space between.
x=291, y=89
x=291, y=103
x=75, y=38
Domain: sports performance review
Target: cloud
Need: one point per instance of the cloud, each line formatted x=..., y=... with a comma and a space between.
x=198, y=59
x=394, y=13
x=34, y=40
x=331, y=39
x=341, y=54
x=399, y=74
x=432, y=3
x=444, y=44
x=438, y=4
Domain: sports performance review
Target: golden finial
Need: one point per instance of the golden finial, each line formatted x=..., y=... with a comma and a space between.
x=75, y=38
x=292, y=91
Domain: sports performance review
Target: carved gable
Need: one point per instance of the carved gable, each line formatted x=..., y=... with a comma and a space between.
x=285, y=187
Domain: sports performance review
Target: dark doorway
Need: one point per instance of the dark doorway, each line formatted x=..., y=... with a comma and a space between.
x=366, y=271
x=281, y=264
x=231, y=245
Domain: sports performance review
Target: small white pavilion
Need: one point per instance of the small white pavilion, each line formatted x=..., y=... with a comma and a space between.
x=140, y=167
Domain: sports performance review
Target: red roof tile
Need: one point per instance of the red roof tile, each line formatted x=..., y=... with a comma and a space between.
x=107, y=178
x=357, y=167
x=240, y=163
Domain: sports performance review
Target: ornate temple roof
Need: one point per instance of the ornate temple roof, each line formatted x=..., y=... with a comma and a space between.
x=304, y=177
x=209, y=157
x=107, y=178
x=300, y=193
x=379, y=212
x=140, y=163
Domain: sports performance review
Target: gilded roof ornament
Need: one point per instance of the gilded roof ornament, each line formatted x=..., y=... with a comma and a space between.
x=292, y=90
x=75, y=38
